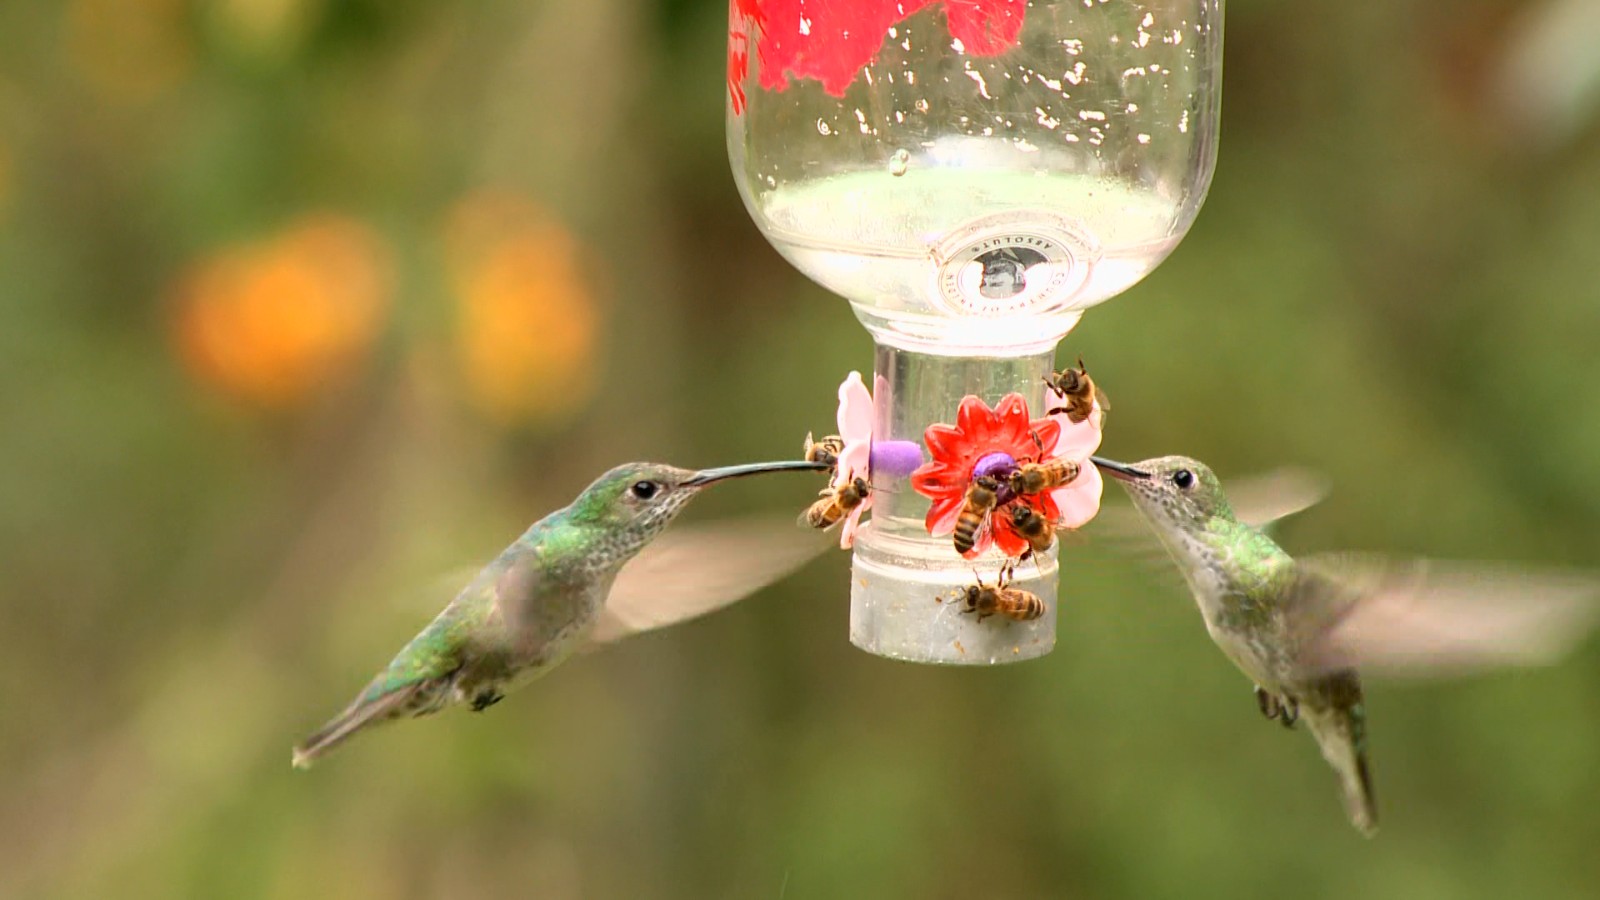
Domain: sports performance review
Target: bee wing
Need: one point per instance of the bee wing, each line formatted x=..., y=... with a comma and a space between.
x=688, y=572
x=981, y=536
x=1426, y=618
x=804, y=519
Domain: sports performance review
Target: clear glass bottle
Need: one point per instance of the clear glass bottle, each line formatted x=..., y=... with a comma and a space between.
x=971, y=176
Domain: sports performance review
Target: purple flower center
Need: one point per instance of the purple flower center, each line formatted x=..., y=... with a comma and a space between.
x=899, y=458
x=998, y=466
x=995, y=465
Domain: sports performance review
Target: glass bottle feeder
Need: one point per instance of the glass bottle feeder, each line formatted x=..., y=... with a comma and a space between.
x=971, y=176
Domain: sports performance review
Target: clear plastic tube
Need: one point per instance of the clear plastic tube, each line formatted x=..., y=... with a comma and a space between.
x=904, y=580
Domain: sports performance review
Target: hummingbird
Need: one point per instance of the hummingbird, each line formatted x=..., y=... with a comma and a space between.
x=1300, y=628
x=556, y=589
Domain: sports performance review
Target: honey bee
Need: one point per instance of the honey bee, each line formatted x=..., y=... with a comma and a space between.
x=1000, y=599
x=1034, y=527
x=825, y=451
x=834, y=505
x=1080, y=393
x=982, y=497
x=1034, y=478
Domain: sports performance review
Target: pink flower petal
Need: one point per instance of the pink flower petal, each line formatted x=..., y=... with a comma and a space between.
x=852, y=522
x=1079, y=500
x=855, y=460
x=1078, y=439
x=855, y=427
x=855, y=409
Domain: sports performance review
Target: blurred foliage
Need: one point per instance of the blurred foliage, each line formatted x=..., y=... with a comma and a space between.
x=303, y=303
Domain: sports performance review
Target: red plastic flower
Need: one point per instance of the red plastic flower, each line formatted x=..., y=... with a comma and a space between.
x=985, y=441
x=981, y=433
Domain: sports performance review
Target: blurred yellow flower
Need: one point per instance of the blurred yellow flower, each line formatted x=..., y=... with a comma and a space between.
x=266, y=30
x=529, y=315
x=271, y=322
x=130, y=50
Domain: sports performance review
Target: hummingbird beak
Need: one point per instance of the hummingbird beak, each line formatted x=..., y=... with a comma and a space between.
x=707, y=476
x=1119, y=471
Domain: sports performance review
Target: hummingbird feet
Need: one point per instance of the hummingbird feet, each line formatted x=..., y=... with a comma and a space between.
x=485, y=699
x=1285, y=709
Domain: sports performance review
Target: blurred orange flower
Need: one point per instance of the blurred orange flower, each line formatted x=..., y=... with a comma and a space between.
x=273, y=321
x=130, y=50
x=529, y=315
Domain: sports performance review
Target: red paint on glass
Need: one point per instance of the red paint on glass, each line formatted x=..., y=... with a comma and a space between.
x=832, y=40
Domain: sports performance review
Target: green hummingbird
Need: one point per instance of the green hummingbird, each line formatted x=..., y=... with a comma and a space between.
x=557, y=589
x=1300, y=627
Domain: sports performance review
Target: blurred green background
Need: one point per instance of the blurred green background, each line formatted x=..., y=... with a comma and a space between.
x=304, y=303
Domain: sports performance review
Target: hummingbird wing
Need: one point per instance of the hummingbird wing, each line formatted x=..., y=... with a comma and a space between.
x=515, y=588
x=1257, y=500
x=1261, y=500
x=1428, y=618
x=689, y=572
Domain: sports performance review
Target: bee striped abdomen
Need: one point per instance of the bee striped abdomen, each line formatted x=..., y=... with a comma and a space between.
x=1023, y=606
x=1033, y=527
x=981, y=499
x=1034, y=478
x=834, y=505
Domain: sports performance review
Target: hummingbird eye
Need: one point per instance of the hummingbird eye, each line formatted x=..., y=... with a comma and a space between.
x=644, y=490
x=1183, y=478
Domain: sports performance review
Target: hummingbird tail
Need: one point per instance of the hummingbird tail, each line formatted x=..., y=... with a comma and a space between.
x=1359, y=800
x=1341, y=731
x=365, y=711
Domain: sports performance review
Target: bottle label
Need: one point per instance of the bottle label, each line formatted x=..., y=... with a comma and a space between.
x=1012, y=262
